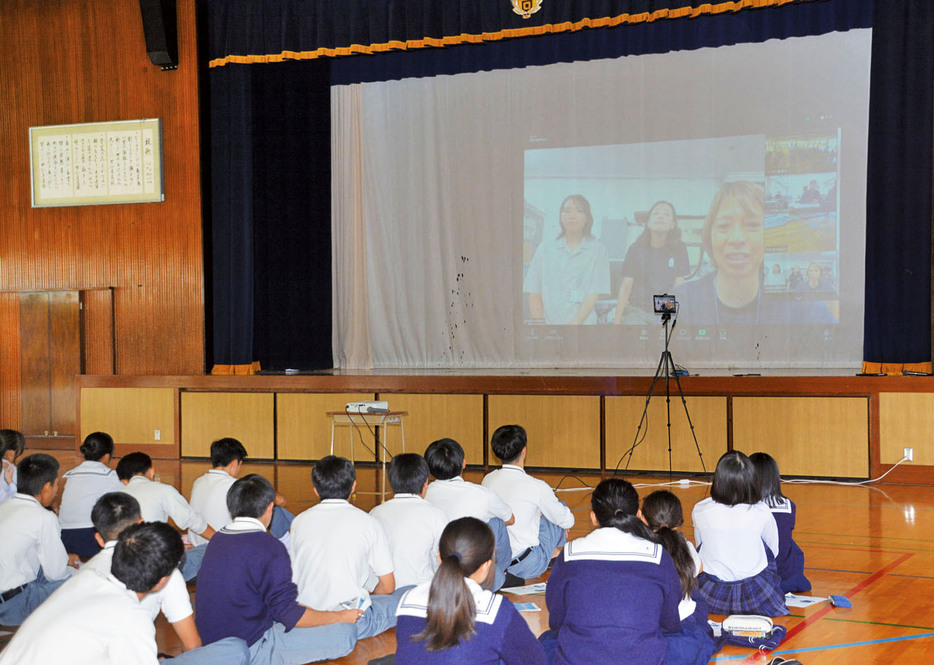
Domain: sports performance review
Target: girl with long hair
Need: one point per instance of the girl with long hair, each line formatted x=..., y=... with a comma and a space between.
x=613, y=593
x=790, y=558
x=693, y=644
x=655, y=263
x=456, y=618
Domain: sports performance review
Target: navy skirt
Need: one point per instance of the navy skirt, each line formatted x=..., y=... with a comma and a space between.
x=760, y=594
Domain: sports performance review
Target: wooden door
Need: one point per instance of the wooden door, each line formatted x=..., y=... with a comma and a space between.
x=50, y=353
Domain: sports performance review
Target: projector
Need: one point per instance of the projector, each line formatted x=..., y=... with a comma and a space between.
x=367, y=407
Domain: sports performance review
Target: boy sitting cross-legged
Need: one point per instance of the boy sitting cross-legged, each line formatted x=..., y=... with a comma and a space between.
x=158, y=502
x=459, y=498
x=337, y=549
x=541, y=519
x=33, y=561
x=412, y=525
x=245, y=589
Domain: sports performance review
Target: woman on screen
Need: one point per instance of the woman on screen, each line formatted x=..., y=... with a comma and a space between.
x=734, y=238
x=655, y=263
x=569, y=273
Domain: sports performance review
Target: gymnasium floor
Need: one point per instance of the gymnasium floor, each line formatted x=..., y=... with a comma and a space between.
x=873, y=544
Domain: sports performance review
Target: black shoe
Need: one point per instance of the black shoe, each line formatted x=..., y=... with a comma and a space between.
x=512, y=580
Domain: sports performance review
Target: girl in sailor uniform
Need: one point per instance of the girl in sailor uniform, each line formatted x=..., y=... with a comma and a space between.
x=455, y=618
x=613, y=593
x=693, y=644
x=737, y=539
x=790, y=559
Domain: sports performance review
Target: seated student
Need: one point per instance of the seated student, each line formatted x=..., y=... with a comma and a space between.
x=12, y=444
x=459, y=498
x=693, y=644
x=114, y=512
x=455, y=618
x=541, y=519
x=158, y=502
x=209, y=493
x=737, y=540
x=790, y=558
x=245, y=589
x=100, y=619
x=412, y=525
x=33, y=561
x=84, y=485
x=613, y=593
x=336, y=548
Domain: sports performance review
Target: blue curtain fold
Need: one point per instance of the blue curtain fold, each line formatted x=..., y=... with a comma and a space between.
x=897, y=324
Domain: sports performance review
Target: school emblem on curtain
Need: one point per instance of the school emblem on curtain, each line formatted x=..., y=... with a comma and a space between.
x=525, y=8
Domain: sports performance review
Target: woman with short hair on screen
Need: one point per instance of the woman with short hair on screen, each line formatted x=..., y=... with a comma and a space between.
x=568, y=274
x=655, y=263
x=734, y=239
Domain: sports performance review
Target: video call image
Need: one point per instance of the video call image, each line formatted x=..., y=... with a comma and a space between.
x=742, y=230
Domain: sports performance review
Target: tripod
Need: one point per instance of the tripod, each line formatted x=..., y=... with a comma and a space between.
x=666, y=368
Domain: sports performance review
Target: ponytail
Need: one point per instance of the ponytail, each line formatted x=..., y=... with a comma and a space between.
x=677, y=547
x=615, y=503
x=466, y=544
x=96, y=445
x=662, y=512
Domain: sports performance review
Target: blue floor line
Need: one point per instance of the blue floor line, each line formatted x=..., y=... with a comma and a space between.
x=830, y=646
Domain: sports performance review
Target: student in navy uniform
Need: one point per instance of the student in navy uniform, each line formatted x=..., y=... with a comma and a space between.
x=33, y=561
x=790, y=559
x=693, y=644
x=459, y=498
x=12, y=444
x=455, y=618
x=245, y=589
x=737, y=539
x=84, y=485
x=613, y=593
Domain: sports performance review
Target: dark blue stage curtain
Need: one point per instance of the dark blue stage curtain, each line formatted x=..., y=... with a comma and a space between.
x=272, y=61
x=898, y=183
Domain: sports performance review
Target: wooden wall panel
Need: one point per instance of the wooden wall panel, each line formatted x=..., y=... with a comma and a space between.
x=710, y=426
x=433, y=417
x=85, y=61
x=10, y=396
x=906, y=420
x=97, y=331
x=303, y=429
x=131, y=416
x=808, y=436
x=563, y=431
x=247, y=417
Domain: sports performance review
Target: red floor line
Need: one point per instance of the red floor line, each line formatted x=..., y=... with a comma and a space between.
x=849, y=594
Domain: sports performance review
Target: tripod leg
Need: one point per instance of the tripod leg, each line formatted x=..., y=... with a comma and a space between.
x=687, y=413
x=645, y=411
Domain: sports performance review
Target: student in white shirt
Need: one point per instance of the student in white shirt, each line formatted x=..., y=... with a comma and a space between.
x=209, y=492
x=336, y=548
x=158, y=502
x=459, y=498
x=542, y=521
x=84, y=485
x=33, y=561
x=12, y=444
x=112, y=514
x=412, y=525
x=100, y=620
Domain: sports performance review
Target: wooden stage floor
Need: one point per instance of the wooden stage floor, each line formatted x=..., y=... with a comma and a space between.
x=873, y=544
